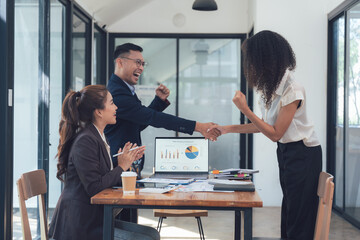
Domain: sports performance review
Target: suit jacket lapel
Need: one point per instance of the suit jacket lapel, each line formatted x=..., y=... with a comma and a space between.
x=136, y=97
x=123, y=85
x=102, y=146
x=118, y=81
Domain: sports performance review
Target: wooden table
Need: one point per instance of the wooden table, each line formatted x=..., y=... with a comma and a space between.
x=233, y=201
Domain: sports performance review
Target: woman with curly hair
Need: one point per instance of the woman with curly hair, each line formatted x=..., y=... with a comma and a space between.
x=268, y=65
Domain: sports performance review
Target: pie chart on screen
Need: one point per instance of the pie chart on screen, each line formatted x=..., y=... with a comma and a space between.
x=191, y=152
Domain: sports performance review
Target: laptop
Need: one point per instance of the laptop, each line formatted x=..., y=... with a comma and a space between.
x=181, y=157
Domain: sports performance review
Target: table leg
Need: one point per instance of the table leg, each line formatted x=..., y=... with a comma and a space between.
x=133, y=215
x=237, y=235
x=248, y=224
x=108, y=227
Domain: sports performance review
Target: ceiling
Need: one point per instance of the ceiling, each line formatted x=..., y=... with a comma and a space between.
x=107, y=12
x=167, y=16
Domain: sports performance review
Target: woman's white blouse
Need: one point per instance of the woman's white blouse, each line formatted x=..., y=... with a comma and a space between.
x=300, y=127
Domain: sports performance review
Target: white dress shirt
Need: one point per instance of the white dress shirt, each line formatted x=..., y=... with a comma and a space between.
x=132, y=88
x=300, y=127
x=107, y=147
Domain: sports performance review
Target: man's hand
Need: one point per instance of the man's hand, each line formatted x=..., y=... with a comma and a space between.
x=204, y=129
x=223, y=129
x=162, y=92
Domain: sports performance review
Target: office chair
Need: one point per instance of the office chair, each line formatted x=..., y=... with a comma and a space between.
x=33, y=184
x=164, y=213
x=29, y=185
x=325, y=192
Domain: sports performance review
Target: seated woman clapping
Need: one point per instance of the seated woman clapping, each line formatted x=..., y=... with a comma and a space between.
x=84, y=163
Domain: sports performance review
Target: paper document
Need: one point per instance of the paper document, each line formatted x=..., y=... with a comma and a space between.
x=158, y=190
x=167, y=180
x=198, y=186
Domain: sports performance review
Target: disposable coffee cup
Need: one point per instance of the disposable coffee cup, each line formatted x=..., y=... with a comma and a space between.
x=128, y=182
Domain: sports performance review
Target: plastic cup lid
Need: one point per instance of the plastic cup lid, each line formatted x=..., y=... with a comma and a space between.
x=129, y=174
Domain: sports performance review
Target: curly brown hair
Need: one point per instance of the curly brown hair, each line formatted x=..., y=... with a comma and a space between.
x=266, y=57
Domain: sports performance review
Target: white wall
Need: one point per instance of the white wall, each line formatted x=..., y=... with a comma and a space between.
x=304, y=25
x=251, y=16
x=332, y=4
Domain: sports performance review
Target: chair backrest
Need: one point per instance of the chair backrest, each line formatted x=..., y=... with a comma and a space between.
x=29, y=185
x=325, y=193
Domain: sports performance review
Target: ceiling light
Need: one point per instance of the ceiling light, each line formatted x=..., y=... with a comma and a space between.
x=205, y=5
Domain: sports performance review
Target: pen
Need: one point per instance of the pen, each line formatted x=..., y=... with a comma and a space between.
x=123, y=151
x=173, y=188
x=225, y=172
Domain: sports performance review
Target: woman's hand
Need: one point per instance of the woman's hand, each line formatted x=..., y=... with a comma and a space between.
x=240, y=101
x=219, y=128
x=128, y=157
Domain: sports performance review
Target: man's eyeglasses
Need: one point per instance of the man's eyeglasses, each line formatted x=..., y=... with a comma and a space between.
x=137, y=61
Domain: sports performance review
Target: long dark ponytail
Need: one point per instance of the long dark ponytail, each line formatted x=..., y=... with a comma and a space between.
x=77, y=112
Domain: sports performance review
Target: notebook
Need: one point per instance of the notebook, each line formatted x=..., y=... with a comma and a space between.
x=242, y=188
x=181, y=157
x=231, y=185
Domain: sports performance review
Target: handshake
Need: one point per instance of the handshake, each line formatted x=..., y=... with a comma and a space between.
x=209, y=130
x=212, y=131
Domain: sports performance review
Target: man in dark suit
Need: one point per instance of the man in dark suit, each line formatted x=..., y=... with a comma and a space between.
x=132, y=116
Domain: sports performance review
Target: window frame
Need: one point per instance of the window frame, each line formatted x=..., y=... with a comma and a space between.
x=102, y=75
x=88, y=42
x=7, y=16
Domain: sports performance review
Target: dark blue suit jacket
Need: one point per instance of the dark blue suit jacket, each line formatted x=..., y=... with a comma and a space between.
x=132, y=117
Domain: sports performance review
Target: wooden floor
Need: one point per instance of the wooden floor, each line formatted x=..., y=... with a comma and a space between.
x=220, y=225
x=217, y=226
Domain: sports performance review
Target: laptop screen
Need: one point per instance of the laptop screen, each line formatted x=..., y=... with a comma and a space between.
x=181, y=154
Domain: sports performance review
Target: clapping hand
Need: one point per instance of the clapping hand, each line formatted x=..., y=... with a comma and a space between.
x=162, y=92
x=128, y=157
x=204, y=129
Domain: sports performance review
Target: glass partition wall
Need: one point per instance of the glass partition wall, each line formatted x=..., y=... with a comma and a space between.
x=26, y=84
x=344, y=111
x=37, y=104
x=202, y=75
x=57, y=60
x=352, y=139
x=80, y=54
x=209, y=75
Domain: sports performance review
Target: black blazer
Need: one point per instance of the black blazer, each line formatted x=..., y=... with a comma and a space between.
x=132, y=117
x=87, y=174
